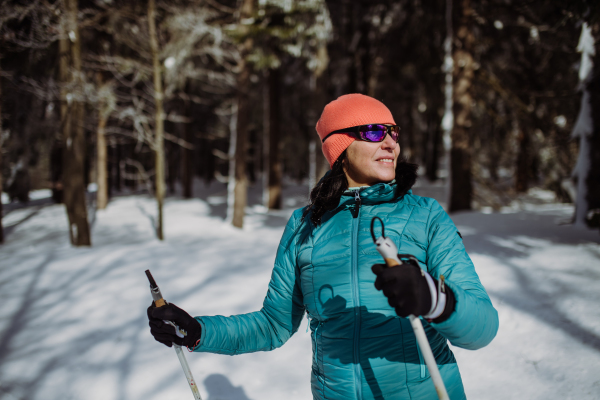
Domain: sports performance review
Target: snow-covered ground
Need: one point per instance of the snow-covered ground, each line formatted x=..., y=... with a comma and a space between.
x=73, y=320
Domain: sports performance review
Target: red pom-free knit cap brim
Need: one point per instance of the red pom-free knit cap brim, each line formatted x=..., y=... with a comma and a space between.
x=347, y=111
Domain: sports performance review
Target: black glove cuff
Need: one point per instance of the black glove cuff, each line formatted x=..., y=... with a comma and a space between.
x=449, y=309
x=193, y=336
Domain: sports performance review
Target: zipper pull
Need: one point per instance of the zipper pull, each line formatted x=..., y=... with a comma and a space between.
x=358, y=202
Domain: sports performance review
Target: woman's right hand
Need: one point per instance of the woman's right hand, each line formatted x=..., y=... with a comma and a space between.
x=164, y=332
x=408, y=292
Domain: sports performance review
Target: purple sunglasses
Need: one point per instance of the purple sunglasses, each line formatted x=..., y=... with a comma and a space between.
x=370, y=132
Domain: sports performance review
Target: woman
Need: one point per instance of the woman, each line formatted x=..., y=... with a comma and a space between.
x=363, y=344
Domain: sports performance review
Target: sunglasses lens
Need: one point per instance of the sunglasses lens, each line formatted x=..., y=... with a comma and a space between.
x=373, y=133
x=395, y=133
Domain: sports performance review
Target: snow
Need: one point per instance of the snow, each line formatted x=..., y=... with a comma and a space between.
x=73, y=323
x=33, y=195
x=543, y=278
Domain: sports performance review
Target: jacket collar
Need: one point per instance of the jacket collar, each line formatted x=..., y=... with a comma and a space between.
x=378, y=193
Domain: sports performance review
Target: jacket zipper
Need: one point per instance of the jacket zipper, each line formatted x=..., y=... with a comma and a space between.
x=357, y=371
x=358, y=201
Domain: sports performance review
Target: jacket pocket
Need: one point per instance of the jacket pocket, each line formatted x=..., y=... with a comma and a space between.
x=424, y=371
x=316, y=364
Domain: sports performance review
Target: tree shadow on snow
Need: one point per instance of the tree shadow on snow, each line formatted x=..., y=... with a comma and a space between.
x=533, y=298
x=540, y=289
x=220, y=388
x=40, y=327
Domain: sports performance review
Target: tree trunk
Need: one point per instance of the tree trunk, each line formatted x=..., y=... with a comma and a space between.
x=187, y=171
x=433, y=149
x=232, y=162
x=159, y=120
x=1, y=228
x=56, y=168
x=265, y=143
x=410, y=147
x=461, y=189
x=102, y=175
x=448, y=118
x=588, y=207
x=101, y=156
x=172, y=156
x=72, y=116
x=241, y=181
x=243, y=118
x=523, y=170
x=118, y=184
x=275, y=167
x=312, y=164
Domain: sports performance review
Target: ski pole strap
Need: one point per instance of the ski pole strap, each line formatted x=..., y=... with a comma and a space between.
x=432, y=291
x=438, y=307
x=196, y=345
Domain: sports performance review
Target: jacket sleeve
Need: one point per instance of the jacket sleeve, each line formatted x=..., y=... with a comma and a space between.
x=474, y=322
x=279, y=317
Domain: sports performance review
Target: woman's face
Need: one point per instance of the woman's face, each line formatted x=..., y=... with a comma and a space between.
x=369, y=163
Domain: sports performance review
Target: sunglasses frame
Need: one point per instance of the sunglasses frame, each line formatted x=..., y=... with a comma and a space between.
x=355, y=132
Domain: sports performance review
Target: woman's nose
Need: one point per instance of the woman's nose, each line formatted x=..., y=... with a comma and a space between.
x=388, y=143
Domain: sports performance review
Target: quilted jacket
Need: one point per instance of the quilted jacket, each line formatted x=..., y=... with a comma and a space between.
x=361, y=348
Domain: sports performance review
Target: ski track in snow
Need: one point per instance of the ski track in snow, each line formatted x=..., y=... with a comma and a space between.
x=73, y=323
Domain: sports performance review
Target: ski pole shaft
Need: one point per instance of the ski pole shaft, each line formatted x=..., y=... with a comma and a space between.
x=423, y=343
x=159, y=302
x=388, y=250
x=187, y=371
x=429, y=358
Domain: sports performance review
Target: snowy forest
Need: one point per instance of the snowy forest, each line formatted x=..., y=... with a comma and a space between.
x=152, y=134
x=146, y=97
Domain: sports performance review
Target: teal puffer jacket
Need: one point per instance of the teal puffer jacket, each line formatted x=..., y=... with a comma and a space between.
x=361, y=348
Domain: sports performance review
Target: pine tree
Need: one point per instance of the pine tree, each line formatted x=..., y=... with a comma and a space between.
x=72, y=120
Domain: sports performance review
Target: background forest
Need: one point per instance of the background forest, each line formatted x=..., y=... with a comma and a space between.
x=494, y=97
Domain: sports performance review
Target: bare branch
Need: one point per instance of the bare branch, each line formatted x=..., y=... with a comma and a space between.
x=178, y=119
x=221, y=178
x=178, y=141
x=143, y=175
x=221, y=154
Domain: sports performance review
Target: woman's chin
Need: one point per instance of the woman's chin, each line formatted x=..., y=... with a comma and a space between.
x=386, y=172
x=384, y=177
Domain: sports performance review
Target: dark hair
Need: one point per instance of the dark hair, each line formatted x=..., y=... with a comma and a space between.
x=326, y=194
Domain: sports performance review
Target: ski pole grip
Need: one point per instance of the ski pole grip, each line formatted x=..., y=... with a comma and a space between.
x=156, y=294
x=390, y=262
x=388, y=250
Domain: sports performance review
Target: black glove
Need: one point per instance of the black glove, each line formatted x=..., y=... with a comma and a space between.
x=165, y=333
x=408, y=292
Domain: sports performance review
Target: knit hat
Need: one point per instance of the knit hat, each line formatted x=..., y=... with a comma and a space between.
x=347, y=111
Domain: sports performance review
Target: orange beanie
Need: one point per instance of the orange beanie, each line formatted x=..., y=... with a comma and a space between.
x=347, y=111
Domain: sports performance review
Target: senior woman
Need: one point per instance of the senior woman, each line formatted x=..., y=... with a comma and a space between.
x=363, y=345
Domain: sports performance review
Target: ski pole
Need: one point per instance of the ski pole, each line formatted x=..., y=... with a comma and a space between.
x=159, y=302
x=388, y=250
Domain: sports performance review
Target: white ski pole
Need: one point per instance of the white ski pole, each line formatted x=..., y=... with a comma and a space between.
x=388, y=250
x=159, y=302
